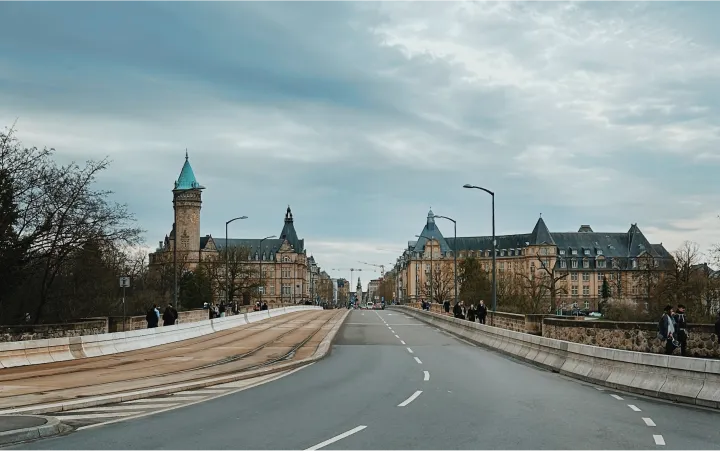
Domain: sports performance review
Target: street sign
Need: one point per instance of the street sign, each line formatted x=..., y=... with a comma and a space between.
x=124, y=282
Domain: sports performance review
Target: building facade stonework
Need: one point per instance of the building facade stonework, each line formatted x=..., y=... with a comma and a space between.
x=579, y=261
x=284, y=271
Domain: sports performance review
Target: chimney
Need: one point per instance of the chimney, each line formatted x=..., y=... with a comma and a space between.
x=585, y=228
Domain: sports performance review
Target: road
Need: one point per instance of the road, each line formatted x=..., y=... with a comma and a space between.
x=411, y=387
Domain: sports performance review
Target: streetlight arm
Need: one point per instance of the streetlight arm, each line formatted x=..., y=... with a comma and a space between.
x=235, y=219
x=467, y=185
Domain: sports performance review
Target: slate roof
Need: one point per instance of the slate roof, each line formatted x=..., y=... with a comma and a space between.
x=187, y=178
x=288, y=233
x=429, y=231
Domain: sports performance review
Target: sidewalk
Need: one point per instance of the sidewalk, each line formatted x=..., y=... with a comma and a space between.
x=21, y=428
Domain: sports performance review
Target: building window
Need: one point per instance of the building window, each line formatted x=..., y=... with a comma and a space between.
x=634, y=264
x=586, y=264
x=598, y=251
x=587, y=305
x=599, y=277
x=286, y=288
x=543, y=251
x=502, y=266
x=574, y=264
x=574, y=290
x=427, y=268
x=562, y=251
x=261, y=290
x=586, y=277
x=574, y=276
x=286, y=259
x=587, y=251
x=574, y=251
x=532, y=268
x=502, y=253
x=601, y=263
x=586, y=290
x=599, y=290
x=563, y=264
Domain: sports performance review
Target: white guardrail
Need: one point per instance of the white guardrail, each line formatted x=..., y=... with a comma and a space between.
x=34, y=352
x=682, y=379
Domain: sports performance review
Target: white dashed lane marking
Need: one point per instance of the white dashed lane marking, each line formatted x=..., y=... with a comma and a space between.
x=397, y=336
x=427, y=375
x=410, y=350
x=659, y=440
x=635, y=408
x=617, y=397
x=336, y=438
x=402, y=342
x=649, y=422
x=418, y=360
x=410, y=399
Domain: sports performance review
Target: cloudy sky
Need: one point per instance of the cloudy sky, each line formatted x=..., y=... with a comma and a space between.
x=362, y=116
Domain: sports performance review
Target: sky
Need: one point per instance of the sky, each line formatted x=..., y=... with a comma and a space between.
x=363, y=116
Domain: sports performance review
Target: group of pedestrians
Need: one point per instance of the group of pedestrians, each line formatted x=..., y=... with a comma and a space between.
x=472, y=313
x=153, y=316
x=672, y=329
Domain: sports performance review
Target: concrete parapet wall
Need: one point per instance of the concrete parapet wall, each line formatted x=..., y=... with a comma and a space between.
x=630, y=336
x=90, y=326
x=681, y=379
x=31, y=352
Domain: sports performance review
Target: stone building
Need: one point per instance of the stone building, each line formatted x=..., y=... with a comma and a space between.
x=288, y=274
x=585, y=258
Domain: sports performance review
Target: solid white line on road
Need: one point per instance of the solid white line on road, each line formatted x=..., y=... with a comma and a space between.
x=121, y=407
x=659, y=440
x=427, y=375
x=418, y=360
x=163, y=400
x=649, y=422
x=410, y=399
x=402, y=342
x=90, y=416
x=635, y=408
x=617, y=397
x=336, y=438
x=409, y=350
x=397, y=336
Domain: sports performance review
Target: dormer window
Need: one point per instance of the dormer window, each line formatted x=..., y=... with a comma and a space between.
x=563, y=264
x=574, y=251
x=587, y=252
x=634, y=264
x=598, y=251
x=502, y=252
x=562, y=251
x=586, y=264
x=574, y=264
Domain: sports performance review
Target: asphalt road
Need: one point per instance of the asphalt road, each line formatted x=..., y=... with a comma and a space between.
x=471, y=398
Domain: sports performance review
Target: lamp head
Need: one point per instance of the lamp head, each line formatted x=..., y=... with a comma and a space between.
x=467, y=185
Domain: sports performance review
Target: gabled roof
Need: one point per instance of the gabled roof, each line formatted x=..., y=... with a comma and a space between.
x=430, y=231
x=269, y=247
x=187, y=178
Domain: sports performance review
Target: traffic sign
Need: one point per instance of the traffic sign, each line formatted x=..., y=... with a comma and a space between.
x=124, y=282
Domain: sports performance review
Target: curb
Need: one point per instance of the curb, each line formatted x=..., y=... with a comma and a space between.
x=51, y=428
x=322, y=351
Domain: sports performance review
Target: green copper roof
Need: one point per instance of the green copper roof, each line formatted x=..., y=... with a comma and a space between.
x=187, y=177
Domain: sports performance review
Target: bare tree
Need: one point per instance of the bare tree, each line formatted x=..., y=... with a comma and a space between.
x=550, y=281
x=243, y=277
x=442, y=286
x=324, y=289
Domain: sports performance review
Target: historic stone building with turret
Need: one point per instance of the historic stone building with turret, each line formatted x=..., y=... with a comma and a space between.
x=288, y=273
x=579, y=261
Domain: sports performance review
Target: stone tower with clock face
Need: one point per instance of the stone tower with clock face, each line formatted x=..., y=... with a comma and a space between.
x=187, y=202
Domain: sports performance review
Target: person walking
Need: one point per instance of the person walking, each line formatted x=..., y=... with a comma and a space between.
x=169, y=316
x=446, y=307
x=471, y=313
x=666, y=330
x=682, y=334
x=152, y=317
x=482, y=312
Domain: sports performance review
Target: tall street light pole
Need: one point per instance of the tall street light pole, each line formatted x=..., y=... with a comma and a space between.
x=494, y=244
x=454, y=253
x=432, y=294
x=262, y=286
x=227, y=254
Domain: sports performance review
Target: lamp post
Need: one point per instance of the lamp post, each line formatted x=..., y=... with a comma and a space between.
x=494, y=244
x=454, y=253
x=432, y=294
x=262, y=286
x=227, y=254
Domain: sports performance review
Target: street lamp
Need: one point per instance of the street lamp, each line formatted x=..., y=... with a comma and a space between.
x=262, y=286
x=227, y=253
x=454, y=253
x=432, y=293
x=494, y=244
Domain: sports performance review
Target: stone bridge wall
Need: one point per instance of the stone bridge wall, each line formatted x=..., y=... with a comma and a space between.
x=91, y=326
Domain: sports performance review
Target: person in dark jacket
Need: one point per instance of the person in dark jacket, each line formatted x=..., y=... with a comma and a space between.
x=471, y=313
x=458, y=311
x=264, y=306
x=717, y=328
x=169, y=316
x=681, y=329
x=152, y=317
x=482, y=312
x=666, y=330
x=446, y=306
x=222, y=310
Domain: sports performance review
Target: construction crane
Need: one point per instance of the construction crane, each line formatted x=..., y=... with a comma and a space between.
x=382, y=267
x=352, y=270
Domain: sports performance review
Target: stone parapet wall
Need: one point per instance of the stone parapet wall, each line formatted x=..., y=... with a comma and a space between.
x=629, y=336
x=91, y=326
x=509, y=321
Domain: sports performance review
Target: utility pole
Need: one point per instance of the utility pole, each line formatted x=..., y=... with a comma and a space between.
x=454, y=254
x=227, y=255
x=262, y=285
x=494, y=244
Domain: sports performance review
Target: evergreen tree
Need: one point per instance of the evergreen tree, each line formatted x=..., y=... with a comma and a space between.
x=474, y=282
x=195, y=288
x=605, y=294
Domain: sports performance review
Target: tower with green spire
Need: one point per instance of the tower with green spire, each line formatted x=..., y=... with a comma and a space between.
x=187, y=202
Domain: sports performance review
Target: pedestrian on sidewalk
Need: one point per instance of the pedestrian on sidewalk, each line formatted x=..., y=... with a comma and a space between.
x=682, y=334
x=471, y=313
x=482, y=312
x=169, y=316
x=458, y=311
x=152, y=317
x=446, y=306
x=264, y=306
x=666, y=330
x=222, y=310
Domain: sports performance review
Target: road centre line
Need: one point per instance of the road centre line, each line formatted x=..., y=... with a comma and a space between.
x=635, y=408
x=427, y=375
x=336, y=438
x=649, y=422
x=397, y=336
x=410, y=399
x=418, y=361
x=410, y=350
x=659, y=440
x=617, y=397
x=402, y=342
